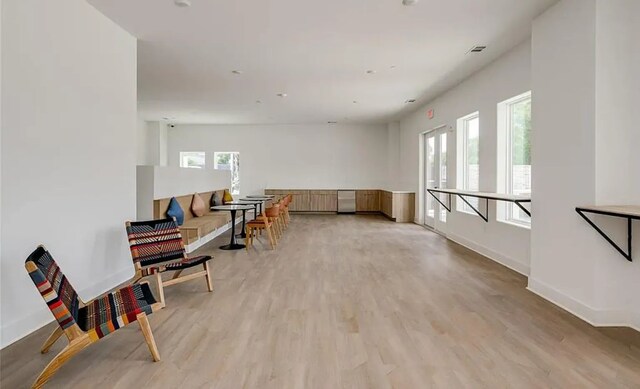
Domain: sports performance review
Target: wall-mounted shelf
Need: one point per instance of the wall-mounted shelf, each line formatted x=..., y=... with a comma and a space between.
x=516, y=199
x=629, y=212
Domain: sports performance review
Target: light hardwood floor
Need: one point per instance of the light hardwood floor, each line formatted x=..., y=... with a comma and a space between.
x=348, y=302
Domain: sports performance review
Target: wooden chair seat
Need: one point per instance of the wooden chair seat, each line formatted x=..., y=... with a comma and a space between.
x=112, y=311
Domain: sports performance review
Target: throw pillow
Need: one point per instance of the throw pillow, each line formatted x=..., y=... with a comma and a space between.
x=215, y=199
x=175, y=210
x=198, y=207
x=227, y=197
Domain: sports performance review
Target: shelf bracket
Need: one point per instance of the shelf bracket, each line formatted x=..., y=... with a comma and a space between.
x=448, y=208
x=518, y=203
x=627, y=254
x=485, y=218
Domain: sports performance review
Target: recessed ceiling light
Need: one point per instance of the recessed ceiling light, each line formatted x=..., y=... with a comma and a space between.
x=282, y=95
x=371, y=71
x=409, y=2
x=236, y=71
x=182, y=3
x=410, y=101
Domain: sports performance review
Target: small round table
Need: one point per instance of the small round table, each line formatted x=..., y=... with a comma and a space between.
x=260, y=200
x=233, y=244
x=261, y=196
x=254, y=206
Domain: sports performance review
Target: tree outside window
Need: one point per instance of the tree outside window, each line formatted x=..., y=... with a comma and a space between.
x=229, y=161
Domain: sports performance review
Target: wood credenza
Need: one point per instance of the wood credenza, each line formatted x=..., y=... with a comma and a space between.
x=397, y=206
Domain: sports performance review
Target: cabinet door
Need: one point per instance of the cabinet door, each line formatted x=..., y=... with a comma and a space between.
x=387, y=203
x=323, y=200
x=362, y=201
x=368, y=201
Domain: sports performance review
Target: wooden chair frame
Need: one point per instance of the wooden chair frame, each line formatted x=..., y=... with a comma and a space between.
x=262, y=222
x=158, y=269
x=79, y=339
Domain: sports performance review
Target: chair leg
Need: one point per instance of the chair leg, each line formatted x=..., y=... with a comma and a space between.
x=51, y=340
x=148, y=335
x=176, y=274
x=207, y=268
x=74, y=347
x=271, y=240
x=247, y=241
x=160, y=288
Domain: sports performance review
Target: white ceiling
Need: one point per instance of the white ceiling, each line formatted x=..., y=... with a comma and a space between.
x=317, y=52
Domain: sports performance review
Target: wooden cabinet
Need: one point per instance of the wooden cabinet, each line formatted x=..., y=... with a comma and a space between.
x=367, y=201
x=300, y=198
x=323, y=200
x=386, y=203
x=403, y=207
x=397, y=206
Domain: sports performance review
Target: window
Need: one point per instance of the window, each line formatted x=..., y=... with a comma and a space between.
x=514, y=154
x=443, y=171
x=229, y=161
x=192, y=159
x=468, y=158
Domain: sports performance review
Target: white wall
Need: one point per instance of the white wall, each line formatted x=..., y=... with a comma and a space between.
x=68, y=151
x=151, y=139
x=506, y=77
x=292, y=156
x=617, y=146
x=158, y=182
x=584, y=71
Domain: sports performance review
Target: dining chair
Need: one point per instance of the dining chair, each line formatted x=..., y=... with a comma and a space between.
x=262, y=222
x=156, y=247
x=86, y=323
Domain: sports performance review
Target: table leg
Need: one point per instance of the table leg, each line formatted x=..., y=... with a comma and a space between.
x=243, y=234
x=233, y=245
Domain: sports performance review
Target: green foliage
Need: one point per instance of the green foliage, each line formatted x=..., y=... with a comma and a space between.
x=521, y=122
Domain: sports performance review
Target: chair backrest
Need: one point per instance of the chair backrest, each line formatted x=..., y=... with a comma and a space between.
x=54, y=287
x=155, y=241
x=273, y=211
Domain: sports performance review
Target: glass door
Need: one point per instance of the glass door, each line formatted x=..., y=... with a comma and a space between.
x=435, y=153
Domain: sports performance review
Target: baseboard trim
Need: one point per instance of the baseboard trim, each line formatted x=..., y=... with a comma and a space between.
x=511, y=263
x=595, y=317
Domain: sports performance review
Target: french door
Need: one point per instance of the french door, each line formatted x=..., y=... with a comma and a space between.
x=435, y=152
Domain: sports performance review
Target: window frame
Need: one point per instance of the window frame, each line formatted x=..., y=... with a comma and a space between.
x=234, y=190
x=183, y=155
x=463, y=157
x=505, y=161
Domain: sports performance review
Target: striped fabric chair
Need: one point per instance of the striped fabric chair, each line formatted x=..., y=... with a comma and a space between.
x=157, y=247
x=86, y=323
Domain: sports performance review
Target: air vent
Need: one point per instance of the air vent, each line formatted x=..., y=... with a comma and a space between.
x=477, y=49
x=332, y=122
x=410, y=101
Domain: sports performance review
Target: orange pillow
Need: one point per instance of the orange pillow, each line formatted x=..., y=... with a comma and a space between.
x=198, y=206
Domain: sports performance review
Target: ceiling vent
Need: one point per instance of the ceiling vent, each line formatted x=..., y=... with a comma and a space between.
x=410, y=101
x=183, y=3
x=409, y=2
x=332, y=122
x=476, y=49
